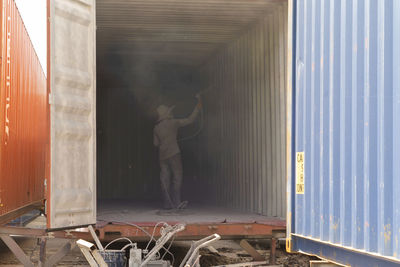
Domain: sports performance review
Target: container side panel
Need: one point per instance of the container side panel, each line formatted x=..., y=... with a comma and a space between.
x=247, y=96
x=345, y=121
x=347, y=98
x=396, y=125
x=314, y=128
x=23, y=119
x=73, y=185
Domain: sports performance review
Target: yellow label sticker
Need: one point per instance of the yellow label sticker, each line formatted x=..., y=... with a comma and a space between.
x=300, y=173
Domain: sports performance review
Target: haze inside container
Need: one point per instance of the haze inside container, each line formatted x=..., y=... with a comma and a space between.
x=165, y=52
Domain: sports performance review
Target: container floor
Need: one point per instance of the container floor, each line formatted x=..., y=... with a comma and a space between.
x=129, y=211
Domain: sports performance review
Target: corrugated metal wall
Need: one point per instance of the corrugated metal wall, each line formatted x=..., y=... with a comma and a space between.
x=128, y=165
x=347, y=124
x=127, y=160
x=244, y=140
x=23, y=115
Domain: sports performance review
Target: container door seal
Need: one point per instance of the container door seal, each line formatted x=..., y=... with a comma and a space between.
x=72, y=187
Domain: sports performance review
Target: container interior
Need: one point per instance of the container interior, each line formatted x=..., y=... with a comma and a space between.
x=165, y=52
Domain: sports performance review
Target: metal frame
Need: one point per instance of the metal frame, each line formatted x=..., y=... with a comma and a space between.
x=193, y=231
x=290, y=106
x=341, y=255
x=109, y=232
x=26, y=261
x=16, y=250
x=8, y=217
x=91, y=253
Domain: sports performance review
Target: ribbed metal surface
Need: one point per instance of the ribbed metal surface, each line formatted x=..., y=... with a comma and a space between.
x=23, y=119
x=175, y=31
x=347, y=108
x=149, y=53
x=244, y=139
x=127, y=160
x=72, y=186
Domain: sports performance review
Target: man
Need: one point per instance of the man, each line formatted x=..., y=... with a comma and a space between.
x=165, y=138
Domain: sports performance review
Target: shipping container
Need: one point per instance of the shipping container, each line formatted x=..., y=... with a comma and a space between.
x=23, y=118
x=111, y=63
x=234, y=54
x=301, y=95
x=90, y=153
x=344, y=170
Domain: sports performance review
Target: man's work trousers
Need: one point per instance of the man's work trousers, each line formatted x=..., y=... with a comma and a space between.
x=171, y=184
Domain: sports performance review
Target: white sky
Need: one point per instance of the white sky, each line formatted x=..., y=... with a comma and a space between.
x=33, y=13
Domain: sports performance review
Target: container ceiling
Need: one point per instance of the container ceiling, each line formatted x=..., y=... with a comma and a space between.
x=174, y=31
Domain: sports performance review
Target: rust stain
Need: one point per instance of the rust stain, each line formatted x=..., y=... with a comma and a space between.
x=387, y=233
x=335, y=226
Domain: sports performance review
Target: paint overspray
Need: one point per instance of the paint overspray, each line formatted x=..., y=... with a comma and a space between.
x=130, y=87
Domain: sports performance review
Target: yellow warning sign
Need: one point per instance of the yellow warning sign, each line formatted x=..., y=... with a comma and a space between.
x=300, y=173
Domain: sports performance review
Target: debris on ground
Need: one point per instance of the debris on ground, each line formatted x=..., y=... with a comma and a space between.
x=224, y=252
x=230, y=252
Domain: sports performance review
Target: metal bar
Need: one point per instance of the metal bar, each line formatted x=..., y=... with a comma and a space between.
x=195, y=248
x=8, y=217
x=195, y=231
x=166, y=235
x=91, y=254
x=96, y=239
x=22, y=231
x=88, y=256
x=99, y=258
x=322, y=264
x=342, y=255
x=272, y=255
x=42, y=254
x=16, y=250
x=244, y=264
x=192, y=231
x=54, y=259
x=30, y=232
x=252, y=251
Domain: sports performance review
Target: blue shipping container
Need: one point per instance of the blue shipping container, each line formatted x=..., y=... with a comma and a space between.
x=344, y=172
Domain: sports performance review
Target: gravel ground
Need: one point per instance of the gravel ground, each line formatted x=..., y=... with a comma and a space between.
x=229, y=252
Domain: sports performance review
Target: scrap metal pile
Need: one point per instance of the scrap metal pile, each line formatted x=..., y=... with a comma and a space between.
x=138, y=257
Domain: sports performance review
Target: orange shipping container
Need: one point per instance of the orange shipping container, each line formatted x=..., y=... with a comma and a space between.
x=23, y=117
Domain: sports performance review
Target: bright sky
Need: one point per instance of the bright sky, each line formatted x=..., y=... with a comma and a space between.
x=33, y=13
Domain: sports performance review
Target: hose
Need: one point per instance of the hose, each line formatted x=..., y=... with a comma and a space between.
x=148, y=234
x=118, y=239
x=198, y=131
x=154, y=231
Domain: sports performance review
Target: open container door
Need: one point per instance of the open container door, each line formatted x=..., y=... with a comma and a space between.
x=72, y=187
